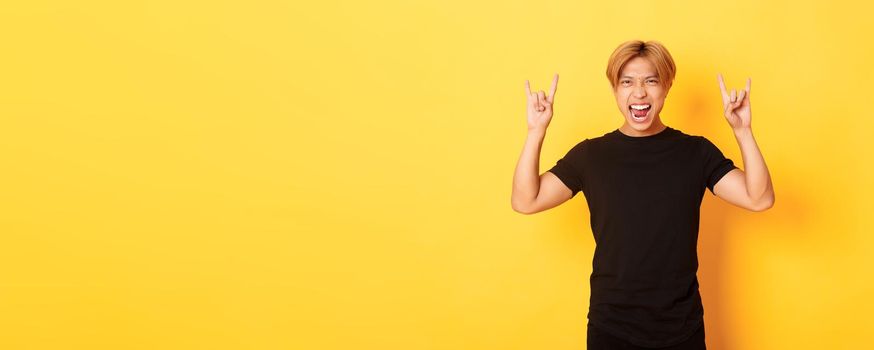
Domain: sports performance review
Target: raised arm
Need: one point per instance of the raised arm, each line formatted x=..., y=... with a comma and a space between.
x=534, y=193
x=750, y=188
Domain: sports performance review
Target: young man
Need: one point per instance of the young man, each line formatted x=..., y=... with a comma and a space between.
x=644, y=183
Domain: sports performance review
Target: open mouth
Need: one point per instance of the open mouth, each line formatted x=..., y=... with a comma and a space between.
x=639, y=112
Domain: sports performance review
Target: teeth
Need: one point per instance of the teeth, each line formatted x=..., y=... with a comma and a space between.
x=640, y=107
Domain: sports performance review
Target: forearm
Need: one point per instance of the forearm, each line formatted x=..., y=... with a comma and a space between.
x=758, y=179
x=526, y=178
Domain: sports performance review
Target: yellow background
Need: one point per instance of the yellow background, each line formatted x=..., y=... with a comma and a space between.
x=337, y=174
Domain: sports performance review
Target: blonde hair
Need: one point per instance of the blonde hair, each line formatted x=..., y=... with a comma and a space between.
x=654, y=51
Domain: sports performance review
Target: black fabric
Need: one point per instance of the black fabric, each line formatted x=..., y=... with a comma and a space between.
x=597, y=339
x=644, y=196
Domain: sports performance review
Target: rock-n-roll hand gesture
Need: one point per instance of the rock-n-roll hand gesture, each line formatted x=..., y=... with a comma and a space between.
x=540, y=106
x=736, y=105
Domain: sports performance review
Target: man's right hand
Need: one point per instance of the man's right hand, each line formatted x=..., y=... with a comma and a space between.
x=540, y=106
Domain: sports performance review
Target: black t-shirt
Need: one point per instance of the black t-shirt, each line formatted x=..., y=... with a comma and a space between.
x=644, y=196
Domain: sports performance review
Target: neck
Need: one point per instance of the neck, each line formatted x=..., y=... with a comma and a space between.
x=656, y=127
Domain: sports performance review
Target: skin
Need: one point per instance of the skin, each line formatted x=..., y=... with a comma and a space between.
x=750, y=189
x=639, y=84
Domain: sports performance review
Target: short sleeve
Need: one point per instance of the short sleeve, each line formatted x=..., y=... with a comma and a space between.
x=716, y=165
x=567, y=169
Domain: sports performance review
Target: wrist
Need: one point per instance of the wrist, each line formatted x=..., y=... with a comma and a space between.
x=536, y=133
x=743, y=131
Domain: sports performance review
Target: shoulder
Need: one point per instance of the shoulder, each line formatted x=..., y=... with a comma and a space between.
x=706, y=148
x=698, y=141
x=578, y=152
x=595, y=141
x=683, y=136
x=580, y=147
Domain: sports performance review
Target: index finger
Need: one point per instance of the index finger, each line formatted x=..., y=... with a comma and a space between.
x=527, y=88
x=553, y=88
x=722, y=88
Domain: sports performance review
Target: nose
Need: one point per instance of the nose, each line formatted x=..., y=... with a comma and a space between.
x=639, y=91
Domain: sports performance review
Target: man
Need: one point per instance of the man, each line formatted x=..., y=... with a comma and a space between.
x=643, y=183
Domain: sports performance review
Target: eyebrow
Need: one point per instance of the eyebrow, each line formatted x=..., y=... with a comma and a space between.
x=651, y=76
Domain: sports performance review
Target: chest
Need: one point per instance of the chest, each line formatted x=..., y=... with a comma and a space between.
x=629, y=176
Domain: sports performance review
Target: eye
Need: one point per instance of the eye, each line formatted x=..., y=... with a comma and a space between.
x=652, y=81
x=626, y=82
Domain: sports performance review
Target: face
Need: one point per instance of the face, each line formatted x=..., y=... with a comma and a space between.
x=639, y=93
